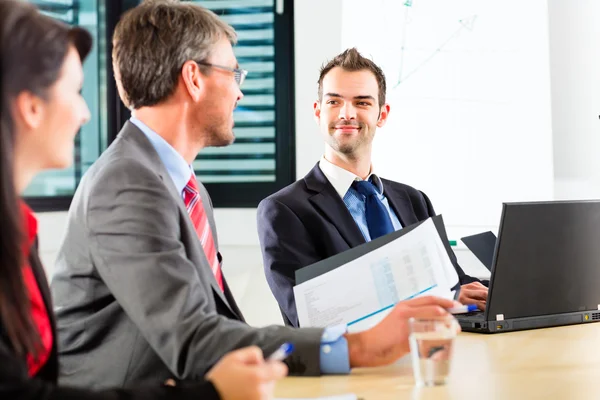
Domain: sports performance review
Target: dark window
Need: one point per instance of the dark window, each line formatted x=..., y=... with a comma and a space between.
x=54, y=189
x=261, y=160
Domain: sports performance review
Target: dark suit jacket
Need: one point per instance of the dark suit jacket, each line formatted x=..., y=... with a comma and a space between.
x=135, y=297
x=307, y=222
x=15, y=383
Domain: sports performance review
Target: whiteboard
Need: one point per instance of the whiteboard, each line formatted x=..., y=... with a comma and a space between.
x=469, y=90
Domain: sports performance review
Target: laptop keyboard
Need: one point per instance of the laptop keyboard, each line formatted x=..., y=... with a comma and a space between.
x=472, y=315
x=478, y=312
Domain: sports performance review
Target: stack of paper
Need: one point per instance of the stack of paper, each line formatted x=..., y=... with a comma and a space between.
x=340, y=397
x=361, y=291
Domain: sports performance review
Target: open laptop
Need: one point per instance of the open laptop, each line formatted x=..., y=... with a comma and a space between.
x=483, y=246
x=546, y=268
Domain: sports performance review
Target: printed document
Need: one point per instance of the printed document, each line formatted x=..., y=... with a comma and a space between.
x=362, y=291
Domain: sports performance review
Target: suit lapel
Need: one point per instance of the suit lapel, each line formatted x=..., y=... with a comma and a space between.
x=51, y=367
x=131, y=132
x=231, y=301
x=328, y=202
x=205, y=267
x=42, y=281
x=400, y=203
x=208, y=208
x=226, y=293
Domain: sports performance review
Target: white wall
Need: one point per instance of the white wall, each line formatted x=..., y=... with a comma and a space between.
x=318, y=38
x=469, y=88
x=575, y=70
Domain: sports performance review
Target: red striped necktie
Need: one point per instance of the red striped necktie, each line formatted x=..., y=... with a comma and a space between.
x=195, y=209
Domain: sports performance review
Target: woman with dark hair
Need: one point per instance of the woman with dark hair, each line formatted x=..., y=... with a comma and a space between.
x=41, y=111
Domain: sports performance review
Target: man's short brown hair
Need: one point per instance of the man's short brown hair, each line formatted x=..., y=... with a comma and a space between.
x=351, y=60
x=152, y=41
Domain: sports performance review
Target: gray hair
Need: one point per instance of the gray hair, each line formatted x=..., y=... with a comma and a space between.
x=152, y=41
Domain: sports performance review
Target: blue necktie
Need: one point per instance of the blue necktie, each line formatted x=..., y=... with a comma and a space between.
x=378, y=218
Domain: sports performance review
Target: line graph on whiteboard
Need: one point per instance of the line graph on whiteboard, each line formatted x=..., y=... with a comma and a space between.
x=468, y=80
x=409, y=67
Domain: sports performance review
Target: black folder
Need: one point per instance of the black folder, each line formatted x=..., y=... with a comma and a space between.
x=331, y=263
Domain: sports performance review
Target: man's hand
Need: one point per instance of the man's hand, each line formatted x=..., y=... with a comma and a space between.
x=473, y=293
x=388, y=341
x=244, y=375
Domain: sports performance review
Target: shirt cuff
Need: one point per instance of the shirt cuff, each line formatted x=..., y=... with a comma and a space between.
x=334, y=351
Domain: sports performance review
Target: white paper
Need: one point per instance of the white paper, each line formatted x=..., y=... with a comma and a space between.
x=365, y=289
x=340, y=397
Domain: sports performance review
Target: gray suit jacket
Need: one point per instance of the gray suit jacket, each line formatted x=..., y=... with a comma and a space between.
x=134, y=295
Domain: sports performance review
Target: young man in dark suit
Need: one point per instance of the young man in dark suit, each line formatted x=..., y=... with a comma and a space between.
x=341, y=203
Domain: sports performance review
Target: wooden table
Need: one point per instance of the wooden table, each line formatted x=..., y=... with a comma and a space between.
x=553, y=363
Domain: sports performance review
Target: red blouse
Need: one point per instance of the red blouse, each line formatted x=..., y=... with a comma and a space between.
x=39, y=313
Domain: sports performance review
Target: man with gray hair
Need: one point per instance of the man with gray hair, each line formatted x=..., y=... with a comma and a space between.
x=139, y=291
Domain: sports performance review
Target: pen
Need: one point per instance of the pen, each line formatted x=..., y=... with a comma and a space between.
x=462, y=309
x=282, y=352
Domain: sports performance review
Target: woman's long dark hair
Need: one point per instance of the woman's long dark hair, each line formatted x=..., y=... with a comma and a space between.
x=33, y=48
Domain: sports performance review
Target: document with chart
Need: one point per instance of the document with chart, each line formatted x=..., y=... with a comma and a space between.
x=360, y=286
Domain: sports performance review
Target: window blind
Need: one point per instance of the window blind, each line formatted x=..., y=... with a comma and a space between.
x=252, y=157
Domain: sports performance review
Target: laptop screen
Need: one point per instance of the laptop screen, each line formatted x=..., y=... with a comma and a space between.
x=547, y=260
x=482, y=245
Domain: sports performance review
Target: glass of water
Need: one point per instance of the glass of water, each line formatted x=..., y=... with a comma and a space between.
x=431, y=343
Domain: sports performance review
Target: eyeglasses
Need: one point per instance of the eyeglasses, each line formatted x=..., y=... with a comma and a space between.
x=239, y=74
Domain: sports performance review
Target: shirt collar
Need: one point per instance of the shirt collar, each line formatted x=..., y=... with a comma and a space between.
x=341, y=179
x=178, y=169
x=30, y=224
